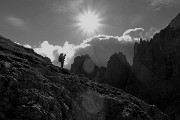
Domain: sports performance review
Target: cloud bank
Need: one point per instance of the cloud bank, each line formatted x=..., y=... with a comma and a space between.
x=99, y=48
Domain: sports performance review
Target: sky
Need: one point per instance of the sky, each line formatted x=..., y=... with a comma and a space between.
x=51, y=26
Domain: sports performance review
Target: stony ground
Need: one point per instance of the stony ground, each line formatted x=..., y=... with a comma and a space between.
x=31, y=88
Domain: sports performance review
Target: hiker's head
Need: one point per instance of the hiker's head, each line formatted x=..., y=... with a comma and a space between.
x=62, y=55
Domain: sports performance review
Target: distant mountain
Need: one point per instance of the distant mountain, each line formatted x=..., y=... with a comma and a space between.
x=85, y=66
x=32, y=88
x=118, y=71
x=156, y=70
x=115, y=74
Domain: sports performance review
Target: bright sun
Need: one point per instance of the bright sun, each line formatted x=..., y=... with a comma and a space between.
x=89, y=22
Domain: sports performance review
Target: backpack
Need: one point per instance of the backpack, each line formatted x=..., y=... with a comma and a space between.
x=61, y=57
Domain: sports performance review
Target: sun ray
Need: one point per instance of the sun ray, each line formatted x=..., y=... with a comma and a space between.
x=89, y=22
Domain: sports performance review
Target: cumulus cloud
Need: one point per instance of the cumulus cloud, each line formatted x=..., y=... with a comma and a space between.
x=47, y=50
x=134, y=33
x=17, y=22
x=99, y=48
x=27, y=46
x=158, y=4
x=148, y=34
x=53, y=51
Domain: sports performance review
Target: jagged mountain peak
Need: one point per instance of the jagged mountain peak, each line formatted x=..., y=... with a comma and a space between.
x=175, y=23
x=115, y=74
x=156, y=71
x=120, y=56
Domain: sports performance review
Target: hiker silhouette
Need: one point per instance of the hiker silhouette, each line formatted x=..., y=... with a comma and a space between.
x=61, y=59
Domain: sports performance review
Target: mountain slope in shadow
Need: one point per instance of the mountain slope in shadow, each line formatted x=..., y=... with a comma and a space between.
x=32, y=88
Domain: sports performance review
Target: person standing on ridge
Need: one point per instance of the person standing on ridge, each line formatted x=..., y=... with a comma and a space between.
x=61, y=59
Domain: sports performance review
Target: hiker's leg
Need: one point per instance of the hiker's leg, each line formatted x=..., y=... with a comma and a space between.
x=62, y=64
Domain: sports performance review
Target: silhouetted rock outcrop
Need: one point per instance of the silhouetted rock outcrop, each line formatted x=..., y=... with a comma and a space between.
x=156, y=70
x=115, y=74
x=32, y=88
x=83, y=65
x=118, y=71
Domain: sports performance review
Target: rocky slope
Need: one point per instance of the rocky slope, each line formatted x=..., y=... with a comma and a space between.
x=156, y=70
x=31, y=88
x=116, y=73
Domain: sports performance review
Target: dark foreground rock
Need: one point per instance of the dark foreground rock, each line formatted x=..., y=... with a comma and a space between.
x=31, y=88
